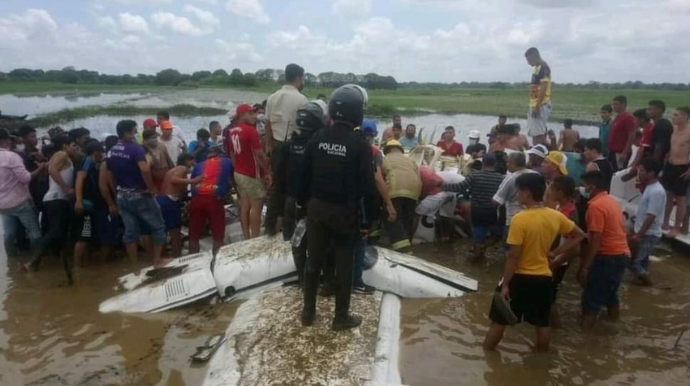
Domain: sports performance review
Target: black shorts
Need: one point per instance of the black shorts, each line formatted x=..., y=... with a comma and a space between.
x=85, y=226
x=672, y=180
x=558, y=275
x=530, y=300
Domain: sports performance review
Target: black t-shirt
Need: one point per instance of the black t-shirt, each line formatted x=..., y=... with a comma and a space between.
x=90, y=190
x=661, y=137
x=476, y=148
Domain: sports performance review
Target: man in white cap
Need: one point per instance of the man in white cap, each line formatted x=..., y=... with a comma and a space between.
x=475, y=149
x=536, y=155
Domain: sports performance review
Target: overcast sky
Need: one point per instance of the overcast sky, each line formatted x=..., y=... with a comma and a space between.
x=421, y=40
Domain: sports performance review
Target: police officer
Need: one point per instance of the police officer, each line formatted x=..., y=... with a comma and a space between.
x=311, y=117
x=338, y=180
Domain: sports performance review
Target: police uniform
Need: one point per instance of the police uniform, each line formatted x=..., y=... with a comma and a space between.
x=338, y=176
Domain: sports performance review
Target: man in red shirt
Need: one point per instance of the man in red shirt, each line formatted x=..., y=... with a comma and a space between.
x=622, y=133
x=251, y=163
x=448, y=145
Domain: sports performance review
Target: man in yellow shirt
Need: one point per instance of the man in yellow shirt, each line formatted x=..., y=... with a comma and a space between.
x=527, y=279
x=539, y=97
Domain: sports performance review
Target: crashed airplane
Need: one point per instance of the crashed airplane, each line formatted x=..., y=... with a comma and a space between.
x=266, y=343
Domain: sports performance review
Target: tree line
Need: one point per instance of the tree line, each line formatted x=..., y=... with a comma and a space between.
x=220, y=77
x=330, y=79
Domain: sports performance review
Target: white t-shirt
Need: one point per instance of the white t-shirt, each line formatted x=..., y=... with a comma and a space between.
x=174, y=146
x=507, y=194
x=653, y=202
x=281, y=110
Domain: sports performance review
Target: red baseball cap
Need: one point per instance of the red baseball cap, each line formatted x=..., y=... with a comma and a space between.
x=243, y=108
x=150, y=123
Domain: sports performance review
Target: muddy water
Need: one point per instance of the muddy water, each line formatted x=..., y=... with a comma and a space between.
x=53, y=335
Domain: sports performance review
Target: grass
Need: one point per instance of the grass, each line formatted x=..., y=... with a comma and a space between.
x=581, y=105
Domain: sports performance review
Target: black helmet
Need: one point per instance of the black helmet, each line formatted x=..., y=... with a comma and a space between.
x=311, y=116
x=347, y=104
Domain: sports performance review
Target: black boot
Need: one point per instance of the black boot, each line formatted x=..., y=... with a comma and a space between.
x=346, y=323
x=308, y=316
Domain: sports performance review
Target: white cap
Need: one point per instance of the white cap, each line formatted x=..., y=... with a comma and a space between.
x=539, y=150
x=474, y=134
x=105, y=136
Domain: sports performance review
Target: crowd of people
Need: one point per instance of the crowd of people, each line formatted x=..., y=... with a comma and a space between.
x=322, y=162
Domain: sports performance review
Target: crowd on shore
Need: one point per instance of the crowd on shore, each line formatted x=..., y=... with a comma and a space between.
x=321, y=161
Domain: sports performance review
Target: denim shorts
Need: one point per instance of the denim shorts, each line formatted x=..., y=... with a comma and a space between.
x=140, y=211
x=171, y=211
x=480, y=233
x=603, y=280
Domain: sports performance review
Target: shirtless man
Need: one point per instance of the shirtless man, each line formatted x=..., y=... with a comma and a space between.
x=677, y=171
x=507, y=139
x=568, y=137
x=175, y=188
x=388, y=133
x=524, y=142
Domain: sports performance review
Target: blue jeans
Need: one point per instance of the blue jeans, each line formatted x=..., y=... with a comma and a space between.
x=603, y=280
x=140, y=211
x=360, y=247
x=26, y=214
x=639, y=264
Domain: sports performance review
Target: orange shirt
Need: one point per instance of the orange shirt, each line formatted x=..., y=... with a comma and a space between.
x=604, y=215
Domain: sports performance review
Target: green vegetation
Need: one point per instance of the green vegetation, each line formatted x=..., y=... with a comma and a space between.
x=579, y=104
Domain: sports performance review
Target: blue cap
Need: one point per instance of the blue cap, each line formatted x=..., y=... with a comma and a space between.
x=490, y=159
x=369, y=127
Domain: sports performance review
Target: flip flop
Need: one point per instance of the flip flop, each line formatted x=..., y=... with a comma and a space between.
x=205, y=352
x=503, y=307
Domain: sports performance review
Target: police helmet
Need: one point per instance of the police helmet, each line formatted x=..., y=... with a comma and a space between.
x=311, y=117
x=347, y=104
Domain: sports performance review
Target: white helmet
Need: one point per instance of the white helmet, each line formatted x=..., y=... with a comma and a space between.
x=474, y=134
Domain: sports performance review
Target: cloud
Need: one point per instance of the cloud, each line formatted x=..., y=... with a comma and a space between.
x=177, y=24
x=205, y=17
x=238, y=51
x=134, y=24
x=107, y=22
x=352, y=7
x=139, y=1
x=251, y=9
x=212, y=2
x=34, y=23
x=183, y=25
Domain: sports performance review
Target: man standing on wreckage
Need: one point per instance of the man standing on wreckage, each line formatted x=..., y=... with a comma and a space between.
x=311, y=118
x=338, y=185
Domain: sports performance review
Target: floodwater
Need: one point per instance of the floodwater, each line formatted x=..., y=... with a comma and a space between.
x=51, y=334
x=37, y=104
x=432, y=124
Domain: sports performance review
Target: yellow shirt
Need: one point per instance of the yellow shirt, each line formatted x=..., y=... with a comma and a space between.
x=535, y=230
x=402, y=176
x=541, y=74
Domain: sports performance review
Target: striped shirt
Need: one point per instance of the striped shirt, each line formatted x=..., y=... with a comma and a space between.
x=481, y=186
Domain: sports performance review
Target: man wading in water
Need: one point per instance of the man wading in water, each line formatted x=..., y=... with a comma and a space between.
x=527, y=279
